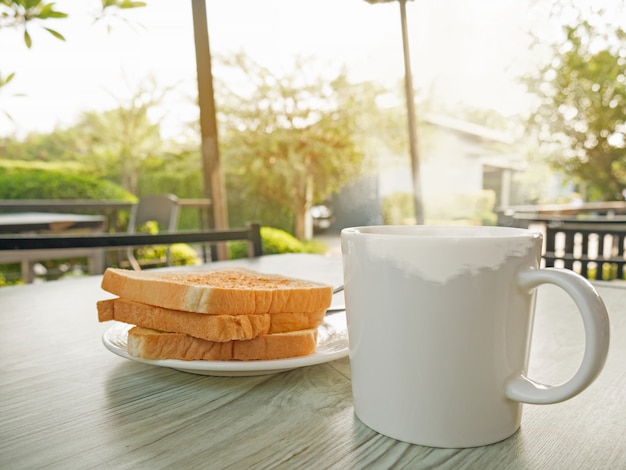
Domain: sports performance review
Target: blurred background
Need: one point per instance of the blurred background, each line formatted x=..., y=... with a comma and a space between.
x=517, y=102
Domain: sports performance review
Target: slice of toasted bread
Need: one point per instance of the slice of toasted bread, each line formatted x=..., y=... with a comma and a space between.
x=151, y=344
x=236, y=291
x=218, y=328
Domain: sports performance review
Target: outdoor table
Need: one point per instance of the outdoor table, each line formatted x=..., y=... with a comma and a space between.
x=63, y=205
x=51, y=222
x=23, y=222
x=67, y=402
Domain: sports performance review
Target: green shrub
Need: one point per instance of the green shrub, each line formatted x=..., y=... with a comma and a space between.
x=40, y=180
x=398, y=209
x=181, y=254
x=607, y=271
x=474, y=208
x=466, y=208
x=10, y=274
x=245, y=206
x=276, y=241
x=35, y=182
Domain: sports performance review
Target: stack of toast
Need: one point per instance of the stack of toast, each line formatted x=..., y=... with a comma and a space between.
x=227, y=314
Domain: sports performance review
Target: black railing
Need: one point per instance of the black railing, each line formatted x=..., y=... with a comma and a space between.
x=587, y=238
x=593, y=248
x=252, y=234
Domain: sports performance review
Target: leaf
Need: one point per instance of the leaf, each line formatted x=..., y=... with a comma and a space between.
x=29, y=4
x=8, y=116
x=122, y=4
x=56, y=34
x=47, y=11
x=130, y=4
x=27, y=39
x=57, y=14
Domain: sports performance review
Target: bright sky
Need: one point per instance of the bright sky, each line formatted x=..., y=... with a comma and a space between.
x=461, y=51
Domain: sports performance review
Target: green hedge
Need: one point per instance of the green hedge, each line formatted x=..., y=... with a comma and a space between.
x=276, y=241
x=35, y=182
x=38, y=180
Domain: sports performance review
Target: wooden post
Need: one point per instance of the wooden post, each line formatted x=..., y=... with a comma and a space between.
x=410, y=103
x=418, y=201
x=214, y=187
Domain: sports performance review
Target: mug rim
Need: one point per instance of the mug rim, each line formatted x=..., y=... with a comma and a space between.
x=441, y=231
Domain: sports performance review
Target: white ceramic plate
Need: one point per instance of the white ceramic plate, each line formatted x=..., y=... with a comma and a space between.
x=332, y=344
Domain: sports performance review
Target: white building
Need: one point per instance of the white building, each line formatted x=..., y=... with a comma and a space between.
x=458, y=160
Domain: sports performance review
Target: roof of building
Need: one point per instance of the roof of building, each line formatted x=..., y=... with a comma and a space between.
x=469, y=128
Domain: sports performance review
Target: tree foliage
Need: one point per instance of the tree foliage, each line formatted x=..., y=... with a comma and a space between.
x=120, y=140
x=21, y=14
x=119, y=144
x=581, y=116
x=289, y=138
x=59, y=145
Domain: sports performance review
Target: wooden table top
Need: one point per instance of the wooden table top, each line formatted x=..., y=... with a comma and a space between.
x=67, y=402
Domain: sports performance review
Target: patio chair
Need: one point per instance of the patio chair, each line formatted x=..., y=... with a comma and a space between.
x=162, y=209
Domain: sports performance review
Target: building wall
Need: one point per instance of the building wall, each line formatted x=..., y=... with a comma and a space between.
x=451, y=164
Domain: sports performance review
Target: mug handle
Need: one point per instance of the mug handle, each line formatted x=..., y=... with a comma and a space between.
x=596, y=323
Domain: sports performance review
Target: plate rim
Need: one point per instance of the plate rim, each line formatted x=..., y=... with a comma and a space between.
x=224, y=367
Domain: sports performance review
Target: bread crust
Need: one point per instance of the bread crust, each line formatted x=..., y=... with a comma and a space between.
x=218, y=328
x=236, y=291
x=151, y=344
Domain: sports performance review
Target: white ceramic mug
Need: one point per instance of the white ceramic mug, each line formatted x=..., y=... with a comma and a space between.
x=439, y=324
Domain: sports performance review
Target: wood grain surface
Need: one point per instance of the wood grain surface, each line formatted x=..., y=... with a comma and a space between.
x=66, y=402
